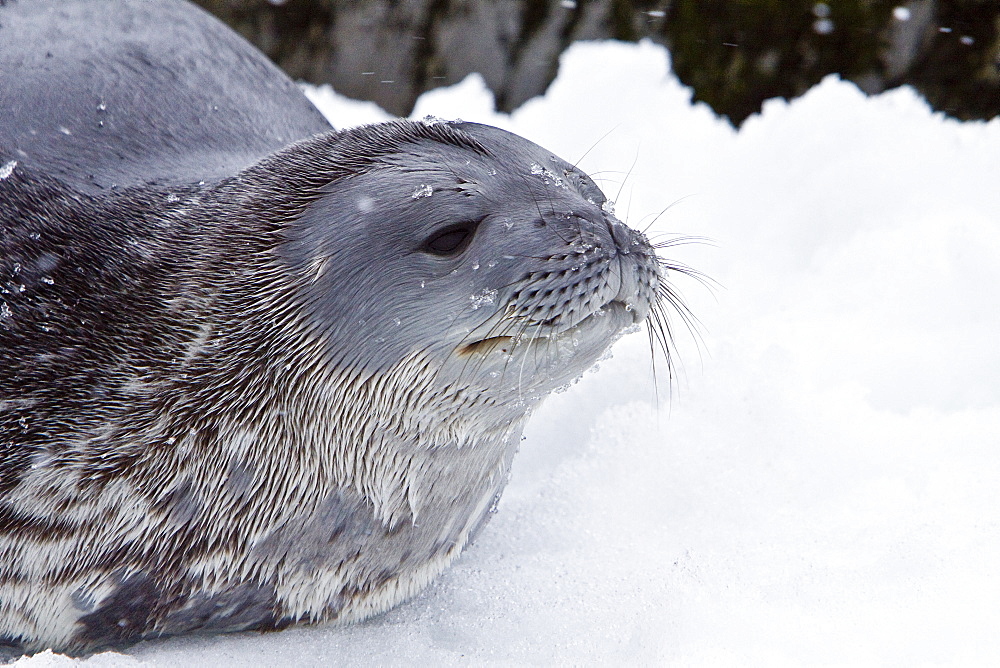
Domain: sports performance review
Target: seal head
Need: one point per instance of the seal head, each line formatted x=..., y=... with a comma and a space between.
x=491, y=248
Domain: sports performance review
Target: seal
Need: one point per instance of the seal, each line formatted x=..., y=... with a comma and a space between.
x=258, y=372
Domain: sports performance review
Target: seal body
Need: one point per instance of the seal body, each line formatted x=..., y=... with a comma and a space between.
x=284, y=394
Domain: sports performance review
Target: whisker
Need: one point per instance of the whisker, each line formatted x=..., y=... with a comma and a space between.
x=593, y=146
x=663, y=211
x=635, y=161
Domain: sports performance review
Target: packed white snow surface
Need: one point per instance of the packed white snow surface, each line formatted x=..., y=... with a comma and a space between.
x=822, y=484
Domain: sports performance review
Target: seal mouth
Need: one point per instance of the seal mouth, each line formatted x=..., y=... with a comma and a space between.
x=604, y=322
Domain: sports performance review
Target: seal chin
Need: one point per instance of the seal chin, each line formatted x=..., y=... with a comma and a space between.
x=533, y=359
x=602, y=325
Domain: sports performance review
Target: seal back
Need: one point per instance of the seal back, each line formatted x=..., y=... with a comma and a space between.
x=102, y=94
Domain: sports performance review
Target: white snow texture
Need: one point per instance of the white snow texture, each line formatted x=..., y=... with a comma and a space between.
x=820, y=485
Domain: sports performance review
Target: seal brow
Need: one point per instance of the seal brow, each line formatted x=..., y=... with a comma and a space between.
x=448, y=134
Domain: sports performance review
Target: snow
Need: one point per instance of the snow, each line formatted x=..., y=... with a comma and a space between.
x=819, y=486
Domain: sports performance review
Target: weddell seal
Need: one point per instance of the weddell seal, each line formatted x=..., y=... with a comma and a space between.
x=255, y=372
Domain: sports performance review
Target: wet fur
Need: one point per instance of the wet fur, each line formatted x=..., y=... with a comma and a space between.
x=249, y=401
x=185, y=450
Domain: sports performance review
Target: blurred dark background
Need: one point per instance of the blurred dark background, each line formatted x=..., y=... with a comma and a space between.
x=734, y=53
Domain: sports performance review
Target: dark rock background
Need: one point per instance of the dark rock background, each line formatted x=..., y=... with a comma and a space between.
x=734, y=53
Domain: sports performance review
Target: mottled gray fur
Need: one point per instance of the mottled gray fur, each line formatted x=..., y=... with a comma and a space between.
x=286, y=396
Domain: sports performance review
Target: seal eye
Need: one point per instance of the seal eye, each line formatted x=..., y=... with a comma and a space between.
x=451, y=240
